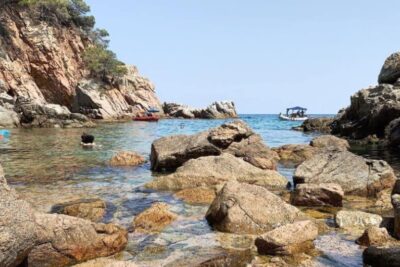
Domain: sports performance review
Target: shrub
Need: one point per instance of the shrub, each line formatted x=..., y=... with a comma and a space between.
x=103, y=63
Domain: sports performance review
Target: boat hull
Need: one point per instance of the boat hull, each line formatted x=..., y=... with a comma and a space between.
x=286, y=118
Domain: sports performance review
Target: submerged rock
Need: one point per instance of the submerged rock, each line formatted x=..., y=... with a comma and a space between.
x=374, y=236
x=89, y=209
x=357, y=219
x=382, y=256
x=249, y=209
x=65, y=240
x=197, y=195
x=168, y=153
x=17, y=226
x=353, y=173
x=217, y=110
x=125, y=158
x=317, y=195
x=154, y=219
x=289, y=239
x=214, y=170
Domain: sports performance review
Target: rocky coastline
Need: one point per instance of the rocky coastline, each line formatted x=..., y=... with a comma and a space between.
x=217, y=110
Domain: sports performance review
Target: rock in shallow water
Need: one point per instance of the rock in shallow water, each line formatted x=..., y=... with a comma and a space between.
x=89, y=209
x=249, y=209
x=197, y=195
x=374, y=236
x=288, y=239
x=154, y=219
x=214, y=170
x=353, y=173
x=125, y=158
x=357, y=219
x=317, y=195
x=382, y=256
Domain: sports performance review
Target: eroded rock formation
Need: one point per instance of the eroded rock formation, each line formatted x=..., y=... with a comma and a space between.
x=217, y=110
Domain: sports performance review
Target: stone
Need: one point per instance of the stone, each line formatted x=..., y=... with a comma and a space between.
x=295, y=154
x=196, y=195
x=382, y=256
x=249, y=209
x=288, y=239
x=125, y=158
x=374, y=236
x=390, y=71
x=154, y=219
x=217, y=110
x=316, y=125
x=356, y=219
x=89, y=209
x=392, y=133
x=219, y=170
x=370, y=112
x=8, y=118
x=65, y=240
x=236, y=138
x=314, y=195
x=17, y=226
x=330, y=142
x=356, y=175
x=396, y=209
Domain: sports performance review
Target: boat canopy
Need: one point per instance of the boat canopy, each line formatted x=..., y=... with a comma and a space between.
x=153, y=110
x=295, y=109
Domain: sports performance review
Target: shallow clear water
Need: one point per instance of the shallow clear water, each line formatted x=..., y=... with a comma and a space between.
x=48, y=166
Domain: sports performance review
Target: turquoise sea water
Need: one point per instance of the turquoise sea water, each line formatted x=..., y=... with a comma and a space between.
x=48, y=166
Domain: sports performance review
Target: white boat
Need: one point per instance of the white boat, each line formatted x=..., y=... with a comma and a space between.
x=294, y=114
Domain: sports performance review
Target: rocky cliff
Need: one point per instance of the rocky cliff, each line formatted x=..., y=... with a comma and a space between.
x=42, y=63
x=217, y=110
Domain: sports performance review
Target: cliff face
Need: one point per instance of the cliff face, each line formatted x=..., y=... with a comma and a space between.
x=43, y=63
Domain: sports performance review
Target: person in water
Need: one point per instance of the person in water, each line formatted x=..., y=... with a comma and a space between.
x=87, y=140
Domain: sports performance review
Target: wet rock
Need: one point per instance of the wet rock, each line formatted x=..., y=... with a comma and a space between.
x=382, y=256
x=219, y=170
x=106, y=262
x=217, y=110
x=168, y=153
x=89, y=209
x=295, y=153
x=249, y=209
x=374, y=236
x=197, y=195
x=330, y=142
x=17, y=226
x=316, y=125
x=65, y=240
x=288, y=239
x=356, y=175
x=125, y=158
x=154, y=219
x=317, y=195
x=357, y=219
x=370, y=112
x=8, y=118
x=390, y=71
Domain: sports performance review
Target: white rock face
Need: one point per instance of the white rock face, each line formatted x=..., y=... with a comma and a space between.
x=217, y=110
x=357, y=219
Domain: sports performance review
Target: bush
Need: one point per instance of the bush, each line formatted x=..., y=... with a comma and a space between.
x=103, y=63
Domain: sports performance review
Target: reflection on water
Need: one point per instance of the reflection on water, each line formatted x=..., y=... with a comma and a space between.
x=49, y=166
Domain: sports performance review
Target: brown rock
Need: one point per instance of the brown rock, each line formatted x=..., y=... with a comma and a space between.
x=374, y=236
x=330, y=142
x=316, y=125
x=295, y=153
x=288, y=239
x=124, y=158
x=154, y=219
x=89, y=209
x=249, y=209
x=196, y=195
x=317, y=195
x=65, y=240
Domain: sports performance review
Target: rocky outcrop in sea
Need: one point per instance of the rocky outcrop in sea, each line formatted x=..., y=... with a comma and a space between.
x=217, y=110
x=41, y=61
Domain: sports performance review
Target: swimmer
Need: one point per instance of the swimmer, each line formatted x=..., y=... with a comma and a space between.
x=87, y=140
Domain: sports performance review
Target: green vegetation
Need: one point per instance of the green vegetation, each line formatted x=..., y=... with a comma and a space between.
x=103, y=63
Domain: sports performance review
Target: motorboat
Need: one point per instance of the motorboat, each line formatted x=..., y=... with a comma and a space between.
x=294, y=114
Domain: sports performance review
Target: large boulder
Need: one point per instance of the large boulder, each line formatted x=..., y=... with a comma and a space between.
x=316, y=125
x=92, y=209
x=382, y=256
x=154, y=219
x=330, y=142
x=396, y=208
x=168, y=153
x=17, y=226
x=356, y=219
x=370, y=112
x=219, y=169
x=289, y=239
x=217, y=110
x=317, y=195
x=249, y=209
x=390, y=71
x=392, y=133
x=356, y=175
x=65, y=240
x=374, y=236
x=8, y=118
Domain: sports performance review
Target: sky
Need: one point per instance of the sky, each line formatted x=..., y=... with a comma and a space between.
x=263, y=55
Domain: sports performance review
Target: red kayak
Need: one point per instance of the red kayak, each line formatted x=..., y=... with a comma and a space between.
x=145, y=118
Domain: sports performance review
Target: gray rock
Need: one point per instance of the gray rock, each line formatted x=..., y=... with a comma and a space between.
x=356, y=175
x=330, y=142
x=217, y=110
x=249, y=209
x=392, y=133
x=396, y=209
x=89, y=209
x=357, y=219
x=390, y=71
x=316, y=125
x=219, y=169
x=8, y=118
x=317, y=195
x=382, y=256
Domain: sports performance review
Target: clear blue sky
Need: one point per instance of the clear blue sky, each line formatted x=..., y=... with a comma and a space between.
x=264, y=55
